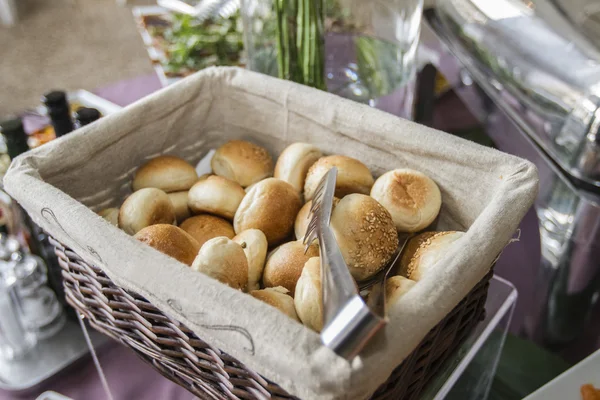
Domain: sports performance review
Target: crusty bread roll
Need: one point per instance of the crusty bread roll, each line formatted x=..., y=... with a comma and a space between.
x=365, y=233
x=205, y=227
x=424, y=250
x=145, y=207
x=271, y=206
x=255, y=245
x=170, y=240
x=396, y=287
x=167, y=173
x=412, y=198
x=224, y=260
x=279, y=298
x=309, y=296
x=353, y=176
x=216, y=195
x=180, y=205
x=284, y=265
x=303, y=218
x=111, y=215
x=293, y=163
x=242, y=162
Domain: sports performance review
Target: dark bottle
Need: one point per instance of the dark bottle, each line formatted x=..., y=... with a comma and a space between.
x=86, y=115
x=16, y=138
x=59, y=112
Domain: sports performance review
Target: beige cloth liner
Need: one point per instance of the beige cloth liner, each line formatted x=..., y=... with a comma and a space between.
x=483, y=190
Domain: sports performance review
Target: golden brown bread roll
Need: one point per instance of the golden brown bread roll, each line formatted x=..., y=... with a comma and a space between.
x=365, y=233
x=303, y=218
x=279, y=298
x=293, y=163
x=424, y=250
x=353, y=176
x=412, y=198
x=396, y=287
x=285, y=263
x=180, y=205
x=255, y=245
x=167, y=173
x=216, y=195
x=111, y=215
x=309, y=296
x=145, y=207
x=170, y=240
x=205, y=227
x=224, y=260
x=242, y=162
x=271, y=206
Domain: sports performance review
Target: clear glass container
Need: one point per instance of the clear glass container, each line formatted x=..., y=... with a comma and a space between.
x=369, y=47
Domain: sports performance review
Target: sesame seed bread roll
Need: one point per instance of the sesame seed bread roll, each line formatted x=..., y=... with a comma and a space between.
x=365, y=233
x=284, y=265
x=293, y=163
x=255, y=246
x=224, y=260
x=271, y=206
x=353, y=176
x=396, y=287
x=309, y=296
x=279, y=298
x=424, y=250
x=216, y=195
x=180, y=205
x=170, y=240
x=111, y=215
x=412, y=198
x=242, y=162
x=148, y=206
x=205, y=227
x=167, y=173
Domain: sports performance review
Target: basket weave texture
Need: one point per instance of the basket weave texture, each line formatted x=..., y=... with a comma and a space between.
x=178, y=354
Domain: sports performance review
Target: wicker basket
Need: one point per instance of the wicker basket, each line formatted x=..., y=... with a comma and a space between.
x=207, y=372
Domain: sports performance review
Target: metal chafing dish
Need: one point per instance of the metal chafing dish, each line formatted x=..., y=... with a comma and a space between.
x=531, y=71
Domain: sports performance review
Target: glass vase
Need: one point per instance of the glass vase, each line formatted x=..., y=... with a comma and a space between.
x=364, y=50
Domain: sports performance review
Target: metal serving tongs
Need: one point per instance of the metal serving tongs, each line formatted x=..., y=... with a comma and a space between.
x=348, y=322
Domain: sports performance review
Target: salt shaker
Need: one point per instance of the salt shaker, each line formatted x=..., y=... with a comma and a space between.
x=15, y=339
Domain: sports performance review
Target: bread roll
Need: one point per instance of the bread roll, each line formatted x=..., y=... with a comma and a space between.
x=293, y=163
x=396, y=287
x=111, y=215
x=303, y=218
x=205, y=227
x=424, y=250
x=279, y=298
x=271, y=206
x=167, y=173
x=242, y=162
x=285, y=263
x=255, y=245
x=224, y=260
x=412, y=198
x=216, y=195
x=170, y=240
x=180, y=205
x=353, y=176
x=309, y=296
x=145, y=207
x=365, y=233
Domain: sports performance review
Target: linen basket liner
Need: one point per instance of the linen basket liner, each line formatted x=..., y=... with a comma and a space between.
x=485, y=193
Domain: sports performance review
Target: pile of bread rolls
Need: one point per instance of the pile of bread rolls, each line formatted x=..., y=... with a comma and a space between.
x=244, y=223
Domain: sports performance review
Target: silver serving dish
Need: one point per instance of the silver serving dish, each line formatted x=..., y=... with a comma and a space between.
x=544, y=64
